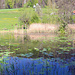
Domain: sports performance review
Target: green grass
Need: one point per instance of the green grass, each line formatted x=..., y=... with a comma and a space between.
x=49, y=10
x=8, y=10
x=46, y=16
x=8, y=18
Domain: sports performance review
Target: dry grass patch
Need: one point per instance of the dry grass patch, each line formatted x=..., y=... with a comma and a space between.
x=70, y=28
x=42, y=36
x=40, y=27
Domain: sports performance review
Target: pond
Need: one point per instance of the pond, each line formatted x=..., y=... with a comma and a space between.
x=37, y=54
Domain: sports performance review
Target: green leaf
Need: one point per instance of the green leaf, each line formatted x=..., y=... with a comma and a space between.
x=69, y=43
x=44, y=49
x=30, y=49
x=1, y=50
x=49, y=49
x=36, y=49
x=61, y=48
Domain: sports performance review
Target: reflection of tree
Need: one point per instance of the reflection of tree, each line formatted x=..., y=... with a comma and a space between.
x=73, y=43
x=72, y=69
x=22, y=38
x=27, y=38
x=43, y=66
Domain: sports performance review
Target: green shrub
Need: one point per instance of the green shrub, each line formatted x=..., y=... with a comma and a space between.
x=25, y=18
x=45, y=19
x=52, y=19
x=35, y=18
x=73, y=19
x=31, y=3
x=29, y=17
x=28, y=4
x=9, y=4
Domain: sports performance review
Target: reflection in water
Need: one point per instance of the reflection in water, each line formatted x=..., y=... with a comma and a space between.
x=40, y=66
x=36, y=54
x=74, y=43
x=38, y=36
x=43, y=36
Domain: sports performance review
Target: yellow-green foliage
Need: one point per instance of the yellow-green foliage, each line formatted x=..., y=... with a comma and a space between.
x=8, y=18
x=31, y=3
x=29, y=16
x=9, y=3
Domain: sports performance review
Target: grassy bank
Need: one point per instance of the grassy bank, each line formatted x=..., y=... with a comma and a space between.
x=10, y=17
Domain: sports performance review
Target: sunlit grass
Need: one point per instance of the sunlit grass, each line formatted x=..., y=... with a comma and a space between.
x=8, y=10
x=8, y=18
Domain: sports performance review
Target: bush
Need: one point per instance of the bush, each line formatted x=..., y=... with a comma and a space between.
x=52, y=19
x=28, y=4
x=25, y=18
x=31, y=3
x=9, y=4
x=35, y=18
x=29, y=17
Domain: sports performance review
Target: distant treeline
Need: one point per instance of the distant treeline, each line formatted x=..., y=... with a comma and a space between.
x=8, y=4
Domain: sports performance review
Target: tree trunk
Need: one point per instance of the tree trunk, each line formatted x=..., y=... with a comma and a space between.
x=43, y=3
x=49, y=3
x=2, y=4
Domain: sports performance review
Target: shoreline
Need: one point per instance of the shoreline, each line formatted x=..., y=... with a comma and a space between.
x=40, y=29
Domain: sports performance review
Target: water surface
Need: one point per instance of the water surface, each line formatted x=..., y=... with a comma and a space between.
x=37, y=54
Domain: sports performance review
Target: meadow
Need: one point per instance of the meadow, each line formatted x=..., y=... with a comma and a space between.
x=10, y=17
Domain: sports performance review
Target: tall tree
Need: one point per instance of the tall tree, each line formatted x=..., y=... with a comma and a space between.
x=65, y=10
x=66, y=7
x=2, y=4
x=49, y=3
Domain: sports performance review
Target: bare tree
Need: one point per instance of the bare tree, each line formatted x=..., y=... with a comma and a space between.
x=49, y=3
x=66, y=7
x=2, y=4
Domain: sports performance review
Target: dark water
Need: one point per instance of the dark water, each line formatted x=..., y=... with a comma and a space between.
x=39, y=54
